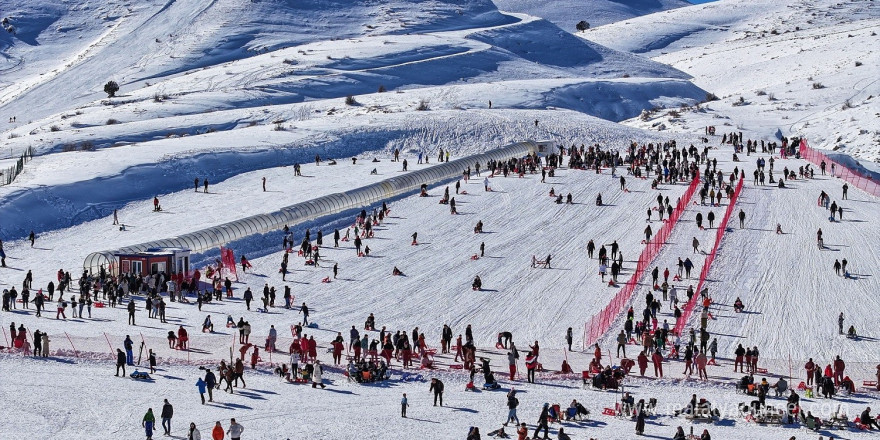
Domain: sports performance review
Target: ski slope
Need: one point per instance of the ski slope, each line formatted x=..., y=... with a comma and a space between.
x=235, y=91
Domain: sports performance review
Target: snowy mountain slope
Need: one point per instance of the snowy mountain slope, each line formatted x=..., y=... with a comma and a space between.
x=810, y=67
x=135, y=43
x=567, y=13
x=55, y=183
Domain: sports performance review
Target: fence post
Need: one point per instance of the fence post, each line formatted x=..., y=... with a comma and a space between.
x=108, y=343
x=75, y=353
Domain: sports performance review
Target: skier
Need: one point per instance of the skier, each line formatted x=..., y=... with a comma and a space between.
x=742, y=218
x=840, y=324
x=696, y=244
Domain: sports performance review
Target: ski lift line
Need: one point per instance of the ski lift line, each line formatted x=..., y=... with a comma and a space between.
x=211, y=238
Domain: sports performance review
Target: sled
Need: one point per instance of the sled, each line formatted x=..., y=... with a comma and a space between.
x=869, y=384
x=643, y=241
x=762, y=370
x=140, y=375
x=491, y=386
x=99, y=305
x=360, y=254
x=676, y=278
x=326, y=280
x=299, y=253
x=611, y=283
x=475, y=257
x=609, y=412
x=625, y=190
x=343, y=239
x=456, y=367
x=463, y=192
x=414, y=243
x=712, y=362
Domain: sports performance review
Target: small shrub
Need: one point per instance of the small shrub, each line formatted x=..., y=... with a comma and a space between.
x=87, y=146
x=673, y=114
x=349, y=100
x=112, y=121
x=858, y=63
x=111, y=88
x=278, y=126
x=774, y=32
x=626, y=75
x=13, y=136
x=157, y=97
x=423, y=106
x=381, y=88
x=711, y=97
x=252, y=123
x=740, y=102
x=847, y=105
x=771, y=97
x=54, y=128
x=818, y=85
x=760, y=93
x=582, y=26
x=68, y=147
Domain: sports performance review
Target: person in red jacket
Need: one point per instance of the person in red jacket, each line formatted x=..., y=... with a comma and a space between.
x=255, y=357
x=313, y=348
x=643, y=363
x=740, y=352
x=828, y=371
x=597, y=354
x=657, y=358
x=217, y=433
x=810, y=366
x=182, y=338
x=839, y=366
x=337, y=352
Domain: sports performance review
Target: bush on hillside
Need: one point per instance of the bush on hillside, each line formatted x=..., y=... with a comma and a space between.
x=111, y=88
x=582, y=25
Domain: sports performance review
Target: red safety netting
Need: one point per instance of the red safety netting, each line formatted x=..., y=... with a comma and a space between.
x=719, y=234
x=227, y=258
x=860, y=180
x=601, y=322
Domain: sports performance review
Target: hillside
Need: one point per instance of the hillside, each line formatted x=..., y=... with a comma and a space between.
x=810, y=67
x=567, y=13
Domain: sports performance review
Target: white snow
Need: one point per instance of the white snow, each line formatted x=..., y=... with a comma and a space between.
x=237, y=90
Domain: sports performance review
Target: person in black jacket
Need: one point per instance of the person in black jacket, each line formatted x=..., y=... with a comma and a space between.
x=437, y=388
x=120, y=362
x=167, y=413
x=542, y=422
x=210, y=382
